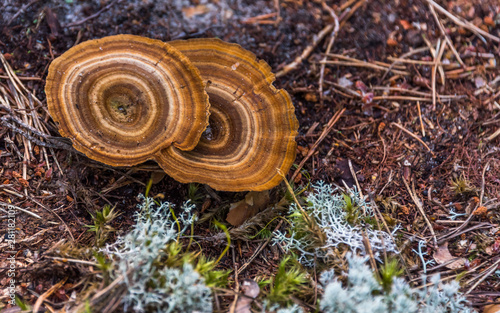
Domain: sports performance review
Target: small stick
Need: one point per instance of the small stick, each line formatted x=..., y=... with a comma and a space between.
x=325, y=132
x=261, y=19
x=420, y=118
x=404, y=56
x=364, y=64
x=73, y=260
x=57, y=215
x=494, y=135
x=20, y=209
x=21, y=77
x=256, y=253
x=413, y=135
x=346, y=5
x=436, y=66
x=91, y=16
x=307, y=51
x=24, y=7
x=486, y=167
x=353, y=173
x=410, y=61
x=328, y=48
x=446, y=37
x=490, y=271
x=47, y=294
x=417, y=202
x=418, y=93
x=351, y=12
x=409, y=98
x=368, y=248
x=465, y=24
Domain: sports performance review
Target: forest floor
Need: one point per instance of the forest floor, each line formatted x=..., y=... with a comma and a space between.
x=397, y=98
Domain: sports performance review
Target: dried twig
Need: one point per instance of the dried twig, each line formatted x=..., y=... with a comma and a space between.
x=483, y=182
x=494, y=135
x=91, y=16
x=47, y=294
x=325, y=132
x=21, y=10
x=446, y=37
x=417, y=202
x=486, y=273
x=257, y=251
x=20, y=209
x=437, y=60
x=354, y=8
x=413, y=135
x=328, y=48
x=21, y=77
x=57, y=215
x=420, y=118
x=307, y=51
x=404, y=56
x=353, y=173
x=358, y=63
x=465, y=24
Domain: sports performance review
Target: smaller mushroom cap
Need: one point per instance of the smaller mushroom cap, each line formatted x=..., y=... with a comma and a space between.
x=252, y=126
x=121, y=99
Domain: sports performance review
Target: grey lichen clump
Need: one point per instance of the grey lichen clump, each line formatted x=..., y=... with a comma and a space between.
x=363, y=293
x=151, y=285
x=334, y=213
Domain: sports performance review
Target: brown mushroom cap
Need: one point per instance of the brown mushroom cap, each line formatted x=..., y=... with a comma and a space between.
x=252, y=126
x=122, y=98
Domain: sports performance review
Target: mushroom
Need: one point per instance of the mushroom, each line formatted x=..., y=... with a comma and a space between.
x=252, y=125
x=121, y=99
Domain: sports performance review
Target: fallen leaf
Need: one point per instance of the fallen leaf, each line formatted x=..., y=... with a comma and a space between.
x=157, y=177
x=488, y=20
x=494, y=248
x=443, y=255
x=391, y=42
x=406, y=25
x=189, y=12
x=242, y=210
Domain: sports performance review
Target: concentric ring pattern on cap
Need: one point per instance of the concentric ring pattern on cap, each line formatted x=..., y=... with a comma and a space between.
x=121, y=99
x=252, y=126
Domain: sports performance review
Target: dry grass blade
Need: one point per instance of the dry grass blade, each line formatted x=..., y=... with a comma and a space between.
x=465, y=24
x=486, y=273
x=446, y=37
x=257, y=251
x=307, y=51
x=437, y=60
x=417, y=202
x=404, y=56
x=413, y=135
x=420, y=119
x=20, y=209
x=47, y=294
x=358, y=63
x=494, y=135
x=22, y=117
x=328, y=48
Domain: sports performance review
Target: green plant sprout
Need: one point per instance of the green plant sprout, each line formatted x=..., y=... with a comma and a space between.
x=101, y=226
x=289, y=280
x=194, y=194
